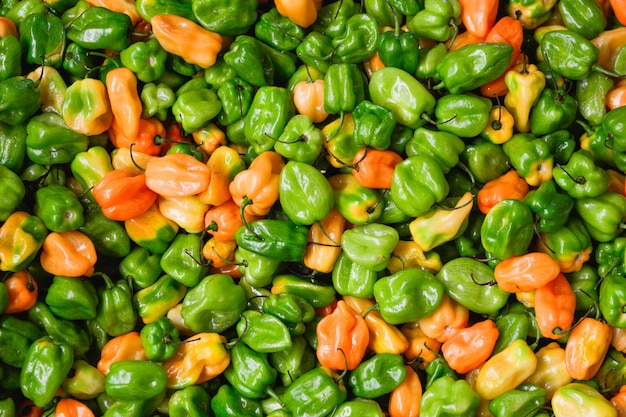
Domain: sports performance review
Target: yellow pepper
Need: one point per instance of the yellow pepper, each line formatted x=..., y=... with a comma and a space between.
x=187, y=211
x=500, y=126
x=581, y=400
x=422, y=348
x=86, y=108
x=408, y=254
x=52, y=87
x=551, y=372
x=525, y=83
x=224, y=163
x=21, y=237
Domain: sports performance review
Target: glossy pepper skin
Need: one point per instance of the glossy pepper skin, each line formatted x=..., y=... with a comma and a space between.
x=250, y=372
x=49, y=141
x=400, y=49
x=612, y=299
x=531, y=157
x=463, y=114
x=11, y=65
x=227, y=402
x=59, y=208
x=43, y=39
x=19, y=100
x=508, y=229
x=159, y=339
x=357, y=244
x=274, y=238
x=250, y=61
x=569, y=53
x=449, y=396
x=21, y=237
x=226, y=19
x=271, y=109
x=116, y=313
x=264, y=333
x=192, y=401
x=438, y=20
x=344, y=88
x=602, y=215
x=305, y=193
x=315, y=393
x=13, y=190
x=100, y=28
x=134, y=380
x=581, y=177
x=72, y=298
x=278, y=31
x=550, y=206
x=181, y=259
x=358, y=40
x=523, y=400
x=377, y=376
x=13, y=145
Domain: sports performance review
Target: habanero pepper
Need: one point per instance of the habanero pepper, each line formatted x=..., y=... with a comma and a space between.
x=555, y=307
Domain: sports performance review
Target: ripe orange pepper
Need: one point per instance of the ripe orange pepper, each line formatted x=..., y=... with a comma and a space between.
x=555, y=306
x=121, y=84
x=181, y=36
x=478, y=17
x=126, y=346
x=69, y=253
x=70, y=407
x=619, y=8
x=526, y=272
x=586, y=348
x=617, y=181
x=209, y=138
x=224, y=220
x=405, y=399
x=23, y=290
x=301, y=12
x=219, y=253
x=619, y=401
x=7, y=27
x=308, y=97
x=449, y=318
x=608, y=43
x=617, y=96
x=257, y=186
x=463, y=39
x=421, y=347
x=324, y=242
x=508, y=185
x=27, y=408
x=177, y=175
x=342, y=338
x=148, y=138
x=121, y=6
x=618, y=339
x=123, y=195
x=471, y=346
x=373, y=168
x=224, y=163
x=373, y=64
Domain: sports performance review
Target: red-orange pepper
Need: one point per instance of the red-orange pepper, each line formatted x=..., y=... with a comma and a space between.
x=616, y=97
x=342, y=338
x=121, y=84
x=147, y=140
x=421, y=347
x=586, y=348
x=324, y=242
x=224, y=220
x=449, y=318
x=373, y=168
x=7, y=27
x=526, y=272
x=69, y=253
x=471, y=346
x=619, y=9
x=123, y=195
x=177, y=175
x=70, y=407
x=478, y=17
x=508, y=185
x=405, y=400
x=619, y=401
x=555, y=306
x=127, y=346
x=23, y=290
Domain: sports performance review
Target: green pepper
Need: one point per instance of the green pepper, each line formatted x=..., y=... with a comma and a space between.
x=86, y=381
x=191, y=401
x=570, y=245
x=370, y=245
x=465, y=115
x=332, y=18
x=562, y=145
x=46, y=365
x=584, y=284
x=145, y=59
x=228, y=402
x=108, y=236
x=43, y=39
x=611, y=373
x=358, y=204
x=132, y=408
x=160, y=339
x=157, y=99
x=381, y=11
x=445, y=147
x=315, y=51
x=195, y=108
x=550, y=206
x=289, y=308
x=22, y=9
x=293, y=362
x=373, y=125
x=236, y=96
x=116, y=313
x=72, y=298
x=227, y=19
x=418, y=182
x=591, y=93
x=301, y=140
x=77, y=61
x=16, y=336
x=575, y=12
x=262, y=332
x=610, y=257
x=352, y=278
x=8, y=407
x=377, y=376
x=278, y=31
x=524, y=400
x=305, y=193
x=602, y=215
x=214, y=304
x=429, y=59
x=59, y=208
x=258, y=270
x=315, y=393
x=11, y=52
x=142, y=266
x=182, y=259
x=284, y=62
x=485, y=160
x=569, y=54
x=90, y=166
x=401, y=93
x=449, y=397
x=250, y=372
x=317, y=294
x=614, y=129
x=468, y=244
x=250, y=61
x=473, y=65
x=155, y=300
x=471, y=283
x=12, y=145
x=13, y=192
x=512, y=325
x=134, y=380
x=61, y=330
x=22, y=237
x=507, y=230
x=436, y=369
x=358, y=40
x=50, y=141
x=438, y=20
x=553, y=111
x=530, y=157
x=19, y=100
x=149, y=8
x=581, y=177
x=613, y=300
x=100, y=28
x=344, y=88
x=271, y=109
x=358, y=407
x=274, y=238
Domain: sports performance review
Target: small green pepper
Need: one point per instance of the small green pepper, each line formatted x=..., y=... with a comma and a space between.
x=569, y=54
x=377, y=376
x=116, y=313
x=12, y=190
x=264, y=333
x=160, y=339
x=315, y=393
x=13, y=145
x=581, y=177
x=145, y=59
x=11, y=51
x=358, y=40
x=445, y=147
x=19, y=100
x=447, y=396
x=315, y=51
x=72, y=298
x=228, y=402
x=271, y=109
x=301, y=140
x=100, y=28
x=43, y=39
x=195, y=108
x=352, y=278
x=274, y=238
x=526, y=399
x=344, y=88
x=507, y=230
x=59, y=208
x=278, y=31
x=250, y=372
x=182, y=259
x=226, y=18
x=250, y=61
x=370, y=245
x=550, y=206
x=463, y=114
x=134, y=380
x=373, y=125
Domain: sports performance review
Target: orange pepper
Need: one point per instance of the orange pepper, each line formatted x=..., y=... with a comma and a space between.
x=301, y=12
x=257, y=186
x=198, y=359
x=23, y=291
x=224, y=220
x=121, y=6
x=555, y=306
x=508, y=185
x=618, y=339
x=174, y=134
x=308, y=97
x=324, y=242
x=148, y=138
x=224, y=163
x=121, y=84
x=463, y=39
x=405, y=399
x=421, y=347
x=617, y=181
x=449, y=318
x=586, y=348
x=342, y=338
x=478, y=17
x=27, y=408
x=619, y=401
x=617, y=96
x=187, y=212
x=181, y=36
x=471, y=346
x=209, y=138
x=608, y=43
x=69, y=407
x=177, y=175
x=219, y=253
x=550, y=373
x=69, y=253
x=123, y=195
x=7, y=28
x=526, y=272
x=619, y=9
x=384, y=337
x=131, y=161
x=126, y=346
x=373, y=64
x=373, y=168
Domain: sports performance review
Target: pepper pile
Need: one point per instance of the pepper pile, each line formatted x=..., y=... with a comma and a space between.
x=313, y=208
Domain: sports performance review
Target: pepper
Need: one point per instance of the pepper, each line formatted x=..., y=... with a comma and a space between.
x=300, y=141
x=377, y=376
x=398, y=48
x=109, y=237
x=357, y=203
x=226, y=19
x=315, y=393
x=227, y=401
x=214, y=304
x=373, y=125
x=317, y=294
x=150, y=8
x=86, y=383
x=182, y=261
x=92, y=119
x=142, y=266
x=612, y=299
x=613, y=129
x=418, y=183
x=401, y=93
x=583, y=283
x=250, y=61
x=444, y=146
x=11, y=49
x=20, y=99
x=271, y=109
x=355, y=241
x=101, y=28
x=553, y=111
x=470, y=282
x=352, y=278
x=488, y=162
x=250, y=372
x=449, y=396
x=550, y=206
x=570, y=245
x=507, y=229
x=194, y=109
x=21, y=237
x=473, y=65
x=278, y=31
x=156, y=100
x=591, y=93
x=315, y=51
x=602, y=227
x=274, y=238
x=46, y=365
x=305, y=194
x=43, y=39
x=159, y=339
x=12, y=145
x=358, y=40
x=115, y=312
x=332, y=17
x=72, y=298
x=580, y=177
x=523, y=400
x=264, y=333
x=531, y=157
x=561, y=46
x=193, y=401
x=13, y=191
x=525, y=83
x=344, y=88
x=579, y=399
x=438, y=20
x=154, y=301
x=135, y=380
